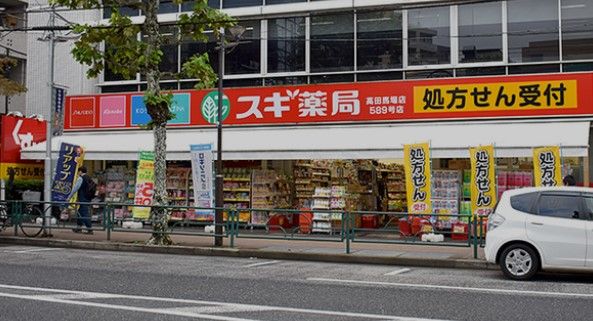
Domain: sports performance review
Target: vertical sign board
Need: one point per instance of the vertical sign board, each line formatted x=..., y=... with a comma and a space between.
x=58, y=108
x=418, y=186
x=201, y=161
x=144, y=186
x=547, y=166
x=483, y=180
x=69, y=160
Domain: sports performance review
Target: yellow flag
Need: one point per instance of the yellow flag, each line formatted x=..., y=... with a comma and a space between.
x=418, y=187
x=547, y=166
x=483, y=180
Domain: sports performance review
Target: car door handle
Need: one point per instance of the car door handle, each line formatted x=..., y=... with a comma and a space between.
x=537, y=223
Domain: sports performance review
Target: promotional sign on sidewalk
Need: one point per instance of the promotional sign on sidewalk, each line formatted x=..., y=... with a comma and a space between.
x=201, y=163
x=69, y=160
x=483, y=180
x=547, y=166
x=418, y=187
x=144, y=185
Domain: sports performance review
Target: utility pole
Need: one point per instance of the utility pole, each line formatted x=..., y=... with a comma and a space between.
x=49, y=134
x=219, y=196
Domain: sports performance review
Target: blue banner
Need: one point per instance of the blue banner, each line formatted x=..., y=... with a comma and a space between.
x=70, y=158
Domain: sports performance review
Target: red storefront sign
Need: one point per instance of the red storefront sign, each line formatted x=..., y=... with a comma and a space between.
x=18, y=133
x=555, y=95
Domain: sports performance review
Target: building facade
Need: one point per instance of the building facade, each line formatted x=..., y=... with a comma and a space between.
x=13, y=44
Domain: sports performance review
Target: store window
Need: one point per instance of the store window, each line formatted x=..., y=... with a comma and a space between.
x=577, y=34
x=189, y=5
x=480, y=32
x=429, y=40
x=119, y=89
x=168, y=6
x=283, y=1
x=251, y=82
x=241, y=3
x=533, y=69
x=375, y=76
x=482, y=71
x=332, y=42
x=279, y=81
x=586, y=66
x=379, y=40
x=563, y=206
x=125, y=11
x=286, y=44
x=533, y=30
x=245, y=57
x=439, y=73
x=324, y=79
x=190, y=47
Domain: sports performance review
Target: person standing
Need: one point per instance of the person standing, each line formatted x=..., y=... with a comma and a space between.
x=569, y=180
x=84, y=188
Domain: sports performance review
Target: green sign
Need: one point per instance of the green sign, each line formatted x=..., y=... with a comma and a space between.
x=209, y=107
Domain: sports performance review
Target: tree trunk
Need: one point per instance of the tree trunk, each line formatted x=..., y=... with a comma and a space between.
x=159, y=115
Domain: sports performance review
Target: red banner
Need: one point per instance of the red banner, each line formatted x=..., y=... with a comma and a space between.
x=555, y=95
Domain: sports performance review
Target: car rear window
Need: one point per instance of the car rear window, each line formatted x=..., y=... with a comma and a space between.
x=524, y=202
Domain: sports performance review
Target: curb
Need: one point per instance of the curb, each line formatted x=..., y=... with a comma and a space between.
x=248, y=253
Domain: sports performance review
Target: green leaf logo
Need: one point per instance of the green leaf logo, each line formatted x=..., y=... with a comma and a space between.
x=209, y=107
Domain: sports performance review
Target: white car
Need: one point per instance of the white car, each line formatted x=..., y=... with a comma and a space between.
x=542, y=228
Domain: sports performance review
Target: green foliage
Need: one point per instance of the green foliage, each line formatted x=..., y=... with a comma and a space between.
x=116, y=45
x=9, y=87
x=198, y=66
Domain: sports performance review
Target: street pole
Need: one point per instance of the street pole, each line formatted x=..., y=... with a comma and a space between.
x=49, y=132
x=219, y=168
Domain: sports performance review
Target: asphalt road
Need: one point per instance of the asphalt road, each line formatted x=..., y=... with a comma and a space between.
x=66, y=284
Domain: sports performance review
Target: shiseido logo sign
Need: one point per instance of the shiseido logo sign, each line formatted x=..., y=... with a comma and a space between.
x=82, y=112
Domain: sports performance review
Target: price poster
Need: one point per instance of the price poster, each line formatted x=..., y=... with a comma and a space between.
x=144, y=185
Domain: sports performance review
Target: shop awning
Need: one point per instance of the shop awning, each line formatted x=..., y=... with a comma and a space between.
x=379, y=141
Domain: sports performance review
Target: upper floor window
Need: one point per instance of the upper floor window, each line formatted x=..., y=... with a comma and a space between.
x=480, y=32
x=286, y=44
x=429, y=40
x=533, y=30
x=379, y=40
x=577, y=34
x=332, y=42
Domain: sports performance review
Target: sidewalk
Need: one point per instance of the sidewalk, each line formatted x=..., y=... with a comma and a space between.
x=391, y=254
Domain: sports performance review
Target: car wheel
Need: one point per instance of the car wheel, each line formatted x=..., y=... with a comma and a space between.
x=519, y=262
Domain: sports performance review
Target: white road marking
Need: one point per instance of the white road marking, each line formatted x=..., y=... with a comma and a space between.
x=212, y=309
x=184, y=310
x=461, y=288
x=78, y=296
x=261, y=264
x=396, y=272
x=37, y=250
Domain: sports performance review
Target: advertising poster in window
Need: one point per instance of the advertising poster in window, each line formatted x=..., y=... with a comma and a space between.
x=483, y=180
x=201, y=164
x=547, y=166
x=418, y=187
x=69, y=160
x=144, y=185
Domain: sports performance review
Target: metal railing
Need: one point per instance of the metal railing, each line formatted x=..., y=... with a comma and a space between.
x=337, y=226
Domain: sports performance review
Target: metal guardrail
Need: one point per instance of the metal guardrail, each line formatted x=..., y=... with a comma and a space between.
x=280, y=224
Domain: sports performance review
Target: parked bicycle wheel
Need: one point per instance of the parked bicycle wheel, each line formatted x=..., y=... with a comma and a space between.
x=31, y=222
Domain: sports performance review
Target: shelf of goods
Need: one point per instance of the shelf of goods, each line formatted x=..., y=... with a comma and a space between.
x=237, y=192
x=262, y=193
x=177, y=192
x=446, y=194
x=117, y=187
x=396, y=188
x=303, y=183
x=328, y=198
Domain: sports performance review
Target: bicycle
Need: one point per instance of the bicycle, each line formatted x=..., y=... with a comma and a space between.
x=30, y=222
